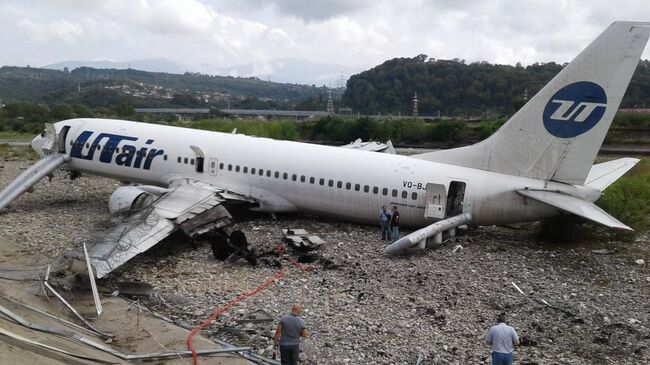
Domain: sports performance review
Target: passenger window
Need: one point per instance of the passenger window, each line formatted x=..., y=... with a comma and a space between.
x=357, y=187
x=192, y=162
x=330, y=183
x=277, y=174
x=339, y=184
x=321, y=181
x=229, y=167
x=366, y=188
x=414, y=196
x=348, y=186
x=285, y=176
x=302, y=178
x=185, y=160
x=384, y=191
x=394, y=193
x=294, y=177
x=87, y=145
x=404, y=194
x=312, y=180
x=179, y=159
x=252, y=171
x=236, y=168
x=375, y=190
x=221, y=166
x=268, y=173
x=165, y=157
x=245, y=170
x=261, y=172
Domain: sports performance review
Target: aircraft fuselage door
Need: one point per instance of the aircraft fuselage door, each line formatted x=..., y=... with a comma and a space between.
x=213, y=166
x=63, y=135
x=436, y=201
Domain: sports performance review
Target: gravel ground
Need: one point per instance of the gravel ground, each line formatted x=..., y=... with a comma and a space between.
x=366, y=308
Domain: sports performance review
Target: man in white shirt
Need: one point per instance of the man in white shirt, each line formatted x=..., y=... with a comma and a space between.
x=503, y=340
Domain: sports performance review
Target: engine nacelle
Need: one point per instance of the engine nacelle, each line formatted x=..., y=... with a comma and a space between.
x=128, y=199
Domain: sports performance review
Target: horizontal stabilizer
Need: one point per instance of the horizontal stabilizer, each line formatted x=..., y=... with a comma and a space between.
x=421, y=235
x=604, y=174
x=574, y=205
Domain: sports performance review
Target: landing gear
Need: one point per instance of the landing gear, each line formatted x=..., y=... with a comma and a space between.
x=232, y=248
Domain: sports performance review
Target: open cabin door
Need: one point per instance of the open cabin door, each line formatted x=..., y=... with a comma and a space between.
x=200, y=158
x=442, y=203
x=435, y=205
x=63, y=135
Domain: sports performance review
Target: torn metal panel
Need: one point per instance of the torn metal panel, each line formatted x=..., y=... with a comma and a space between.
x=301, y=240
x=93, y=285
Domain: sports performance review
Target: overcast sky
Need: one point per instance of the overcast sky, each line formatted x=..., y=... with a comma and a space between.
x=195, y=33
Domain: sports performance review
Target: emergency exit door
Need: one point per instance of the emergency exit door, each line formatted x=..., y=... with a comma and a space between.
x=213, y=166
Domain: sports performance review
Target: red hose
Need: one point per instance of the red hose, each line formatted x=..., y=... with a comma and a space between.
x=226, y=307
x=279, y=250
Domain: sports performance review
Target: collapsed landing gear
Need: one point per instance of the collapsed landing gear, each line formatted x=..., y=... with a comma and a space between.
x=232, y=248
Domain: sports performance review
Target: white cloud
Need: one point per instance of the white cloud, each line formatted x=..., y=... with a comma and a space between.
x=218, y=33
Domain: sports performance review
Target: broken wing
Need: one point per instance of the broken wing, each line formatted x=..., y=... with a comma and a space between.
x=193, y=207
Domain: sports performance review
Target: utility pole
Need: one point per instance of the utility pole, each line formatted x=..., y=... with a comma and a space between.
x=330, y=103
x=415, y=105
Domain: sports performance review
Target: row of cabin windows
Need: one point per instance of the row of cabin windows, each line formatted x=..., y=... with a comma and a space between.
x=321, y=181
x=113, y=149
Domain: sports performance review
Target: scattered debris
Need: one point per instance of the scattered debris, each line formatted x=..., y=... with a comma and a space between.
x=458, y=247
x=301, y=240
x=358, y=144
x=640, y=262
x=602, y=252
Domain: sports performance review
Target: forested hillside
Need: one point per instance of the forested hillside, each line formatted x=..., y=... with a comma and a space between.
x=101, y=87
x=455, y=88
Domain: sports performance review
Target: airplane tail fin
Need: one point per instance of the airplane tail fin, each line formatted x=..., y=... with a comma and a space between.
x=557, y=134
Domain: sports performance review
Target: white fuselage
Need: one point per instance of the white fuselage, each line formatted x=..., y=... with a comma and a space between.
x=343, y=183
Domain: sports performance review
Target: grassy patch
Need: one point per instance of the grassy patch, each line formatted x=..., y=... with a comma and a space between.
x=22, y=152
x=16, y=137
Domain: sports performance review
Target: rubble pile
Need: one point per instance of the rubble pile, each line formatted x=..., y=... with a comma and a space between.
x=585, y=303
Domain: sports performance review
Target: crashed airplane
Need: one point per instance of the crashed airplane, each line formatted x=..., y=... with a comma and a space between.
x=539, y=163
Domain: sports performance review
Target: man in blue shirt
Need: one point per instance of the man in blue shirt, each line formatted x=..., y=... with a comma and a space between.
x=288, y=334
x=503, y=340
x=384, y=218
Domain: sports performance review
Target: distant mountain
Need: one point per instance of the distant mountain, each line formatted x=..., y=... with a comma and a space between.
x=290, y=70
x=150, y=64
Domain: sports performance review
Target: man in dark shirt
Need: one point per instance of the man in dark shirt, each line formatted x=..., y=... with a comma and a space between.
x=394, y=224
x=287, y=335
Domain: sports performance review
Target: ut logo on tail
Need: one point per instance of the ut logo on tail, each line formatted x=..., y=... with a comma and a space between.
x=575, y=109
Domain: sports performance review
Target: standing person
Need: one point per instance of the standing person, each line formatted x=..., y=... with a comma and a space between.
x=384, y=218
x=287, y=335
x=394, y=224
x=503, y=340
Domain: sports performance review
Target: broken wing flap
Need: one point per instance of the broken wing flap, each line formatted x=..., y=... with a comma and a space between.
x=423, y=234
x=193, y=208
x=575, y=206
